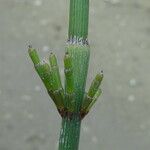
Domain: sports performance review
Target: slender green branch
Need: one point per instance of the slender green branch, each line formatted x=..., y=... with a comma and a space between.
x=56, y=82
x=93, y=90
x=69, y=83
x=97, y=94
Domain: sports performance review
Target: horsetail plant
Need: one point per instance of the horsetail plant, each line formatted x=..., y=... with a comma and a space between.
x=72, y=102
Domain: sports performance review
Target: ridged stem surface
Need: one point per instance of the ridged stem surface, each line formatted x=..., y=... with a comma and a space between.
x=80, y=61
x=70, y=133
x=78, y=18
x=79, y=50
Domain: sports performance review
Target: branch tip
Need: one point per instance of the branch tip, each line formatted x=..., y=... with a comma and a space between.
x=29, y=46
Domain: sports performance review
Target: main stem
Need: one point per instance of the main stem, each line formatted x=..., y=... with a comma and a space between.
x=78, y=18
x=78, y=48
x=70, y=133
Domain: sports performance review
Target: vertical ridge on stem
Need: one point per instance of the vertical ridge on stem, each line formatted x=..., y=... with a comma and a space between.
x=78, y=18
x=70, y=133
x=79, y=50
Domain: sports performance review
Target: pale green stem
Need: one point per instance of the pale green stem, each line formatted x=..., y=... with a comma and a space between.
x=79, y=50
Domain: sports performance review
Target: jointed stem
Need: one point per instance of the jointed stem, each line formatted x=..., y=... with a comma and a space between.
x=78, y=49
x=78, y=19
x=70, y=133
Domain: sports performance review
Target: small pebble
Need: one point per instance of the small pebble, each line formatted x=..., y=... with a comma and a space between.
x=132, y=82
x=131, y=98
x=30, y=116
x=119, y=43
x=38, y=2
x=37, y=88
x=26, y=97
x=113, y=2
x=44, y=22
x=45, y=49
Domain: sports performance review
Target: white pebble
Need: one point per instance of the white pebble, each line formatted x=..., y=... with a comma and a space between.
x=44, y=22
x=45, y=49
x=38, y=2
x=131, y=98
x=30, y=116
x=112, y=1
x=119, y=43
x=26, y=97
x=115, y=1
x=132, y=82
x=37, y=88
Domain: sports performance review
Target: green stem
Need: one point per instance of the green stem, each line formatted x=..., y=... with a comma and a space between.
x=79, y=50
x=70, y=133
x=80, y=61
x=78, y=19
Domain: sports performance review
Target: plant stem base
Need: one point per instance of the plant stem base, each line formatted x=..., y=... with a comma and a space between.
x=70, y=133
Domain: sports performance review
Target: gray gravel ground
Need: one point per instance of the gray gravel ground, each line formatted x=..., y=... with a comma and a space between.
x=120, y=45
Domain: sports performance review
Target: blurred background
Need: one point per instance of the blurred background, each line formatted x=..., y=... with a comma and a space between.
x=119, y=34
